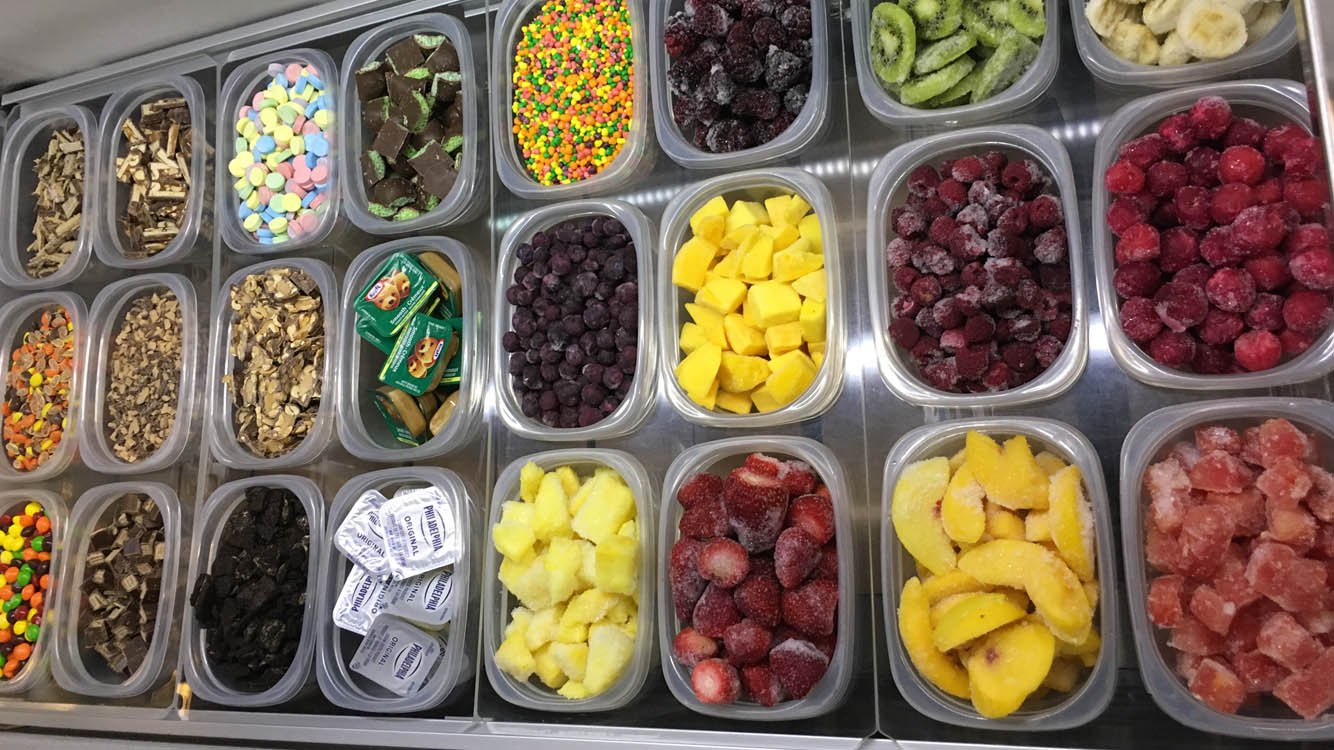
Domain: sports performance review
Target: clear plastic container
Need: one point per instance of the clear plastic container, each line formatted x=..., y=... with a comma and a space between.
x=889, y=188
x=336, y=646
x=21, y=315
x=80, y=670
x=1271, y=102
x=1032, y=84
x=360, y=426
x=1111, y=68
x=720, y=457
x=204, y=541
x=1150, y=440
x=798, y=135
x=238, y=90
x=25, y=140
x=111, y=240
x=36, y=674
x=627, y=165
x=218, y=417
x=638, y=403
x=497, y=600
x=1055, y=710
x=468, y=188
x=106, y=317
x=753, y=185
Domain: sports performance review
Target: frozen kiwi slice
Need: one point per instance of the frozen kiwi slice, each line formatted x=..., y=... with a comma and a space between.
x=1012, y=57
x=921, y=88
x=893, y=42
x=936, y=19
x=958, y=93
x=986, y=19
x=1028, y=17
x=938, y=54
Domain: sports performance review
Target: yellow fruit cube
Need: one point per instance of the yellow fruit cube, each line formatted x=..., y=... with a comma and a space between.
x=774, y=303
x=736, y=237
x=1049, y=462
x=715, y=206
x=710, y=398
x=758, y=263
x=812, y=319
x=629, y=529
x=587, y=564
x=812, y=285
x=777, y=209
x=572, y=633
x=809, y=227
x=711, y=228
x=790, y=265
x=608, y=505
x=516, y=512
x=515, y=659
x=617, y=565
x=547, y=669
x=512, y=540
x=528, y=582
x=742, y=338
x=588, y=607
x=791, y=374
x=739, y=374
x=748, y=314
x=797, y=208
x=543, y=627
x=530, y=476
x=692, y=336
x=784, y=236
x=622, y=612
x=816, y=350
x=609, y=651
x=562, y=565
x=710, y=323
x=722, y=295
x=765, y=400
x=691, y=262
x=781, y=339
x=730, y=266
x=737, y=403
x=572, y=658
x=520, y=619
x=746, y=212
x=573, y=690
x=551, y=515
x=698, y=371
x=569, y=481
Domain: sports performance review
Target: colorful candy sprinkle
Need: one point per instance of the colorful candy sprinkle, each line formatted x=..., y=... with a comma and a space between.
x=573, y=88
x=26, y=565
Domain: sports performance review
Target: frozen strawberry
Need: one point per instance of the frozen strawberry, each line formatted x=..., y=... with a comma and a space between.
x=763, y=464
x=799, y=665
x=1165, y=600
x=1247, y=509
x=814, y=515
x=715, y=612
x=724, y=562
x=827, y=567
x=1211, y=609
x=1161, y=550
x=797, y=476
x=1284, y=640
x=683, y=576
x=1168, y=487
x=758, y=596
x=1291, y=524
x=756, y=505
x=1310, y=692
x=1205, y=533
x=1278, y=438
x=701, y=488
x=1191, y=636
x=715, y=681
x=811, y=608
x=690, y=647
x=1218, y=686
x=1218, y=438
x=1258, y=672
x=706, y=520
x=747, y=642
x=1220, y=471
x=795, y=555
x=762, y=685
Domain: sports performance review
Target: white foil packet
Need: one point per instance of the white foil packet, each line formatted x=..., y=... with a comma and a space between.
x=420, y=531
x=360, y=537
x=364, y=596
x=427, y=599
x=397, y=656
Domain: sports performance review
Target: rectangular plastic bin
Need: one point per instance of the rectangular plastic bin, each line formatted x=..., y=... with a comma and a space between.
x=1055, y=710
x=497, y=601
x=720, y=457
x=752, y=185
x=35, y=675
x=889, y=188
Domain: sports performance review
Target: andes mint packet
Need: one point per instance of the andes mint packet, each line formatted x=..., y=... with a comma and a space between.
x=364, y=596
x=360, y=537
x=419, y=528
x=397, y=656
x=427, y=599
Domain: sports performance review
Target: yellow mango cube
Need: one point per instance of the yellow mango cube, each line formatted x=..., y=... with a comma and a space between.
x=711, y=228
x=812, y=320
x=812, y=285
x=617, y=565
x=691, y=263
x=748, y=314
x=737, y=403
x=758, y=263
x=735, y=237
x=784, y=236
x=797, y=208
x=777, y=207
x=795, y=261
x=816, y=350
x=530, y=476
x=710, y=397
x=697, y=372
x=781, y=339
x=739, y=374
x=774, y=303
x=791, y=374
x=746, y=212
x=715, y=207
x=809, y=227
x=514, y=659
x=710, y=322
x=723, y=296
x=730, y=266
x=764, y=399
x=741, y=338
x=691, y=337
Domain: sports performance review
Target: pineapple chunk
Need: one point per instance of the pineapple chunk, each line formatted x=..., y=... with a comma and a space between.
x=748, y=314
x=795, y=261
x=746, y=212
x=722, y=295
x=547, y=669
x=710, y=322
x=777, y=208
x=520, y=619
x=1049, y=462
x=736, y=237
x=812, y=285
x=517, y=512
x=617, y=560
x=551, y=515
x=573, y=633
x=797, y=208
x=622, y=612
x=569, y=481
x=573, y=690
x=809, y=226
x=699, y=371
x=739, y=374
x=588, y=607
x=781, y=339
x=512, y=540
x=816, y=349
x=543, y=627
x=741, y=338
x=515, y=659
x=609, y=651
x=530, y=476
x=691, y=262
x=587, y=564
x=528, y=582
x=610, y=504
x=562, y=565
x=774, y=303
x=572, y=658
x=783, y=236
x=692, y=336
x=629, y=529
x=737, y=403
x=758, y=263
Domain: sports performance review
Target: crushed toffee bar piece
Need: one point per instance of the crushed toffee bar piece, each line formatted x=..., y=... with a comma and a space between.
x=156, y=165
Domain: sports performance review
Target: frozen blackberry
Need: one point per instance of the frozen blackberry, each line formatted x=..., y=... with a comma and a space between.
x=739, y=33
x=795, y=98
x=757, y=103
x=767, y=130
x=796, y=20
x=679, y=35
x=722, y=86
x=757, y=8
x=742, y=63
x=710, y=20
x=728, y=135
x=782, y=69
x=768, y=31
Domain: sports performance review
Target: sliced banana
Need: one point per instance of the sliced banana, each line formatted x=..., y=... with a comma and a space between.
x=1241, y=6
x=1270, y=15
x=1104, y=15
x=1134, y=42
x=1211, y=31
x=1173, y=51
x=1252, y=13
x=1161, y=15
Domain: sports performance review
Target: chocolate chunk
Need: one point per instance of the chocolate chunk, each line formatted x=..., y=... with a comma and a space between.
x=393, y=191
x=370, y=81
x=445, y=58
x=446, y=86
x=404, y=55
x=434, y=131
x=375, y=113
x=118, y=570
x=401, y=88
x=453, y=115
x=389, y=141
x=436, y=169
x=372, y=169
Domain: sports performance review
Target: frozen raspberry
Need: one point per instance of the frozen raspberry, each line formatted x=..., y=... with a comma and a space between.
x=1295, y=342
x=1007, y=271
x=1219, y=248
x=908, y=222
x=1257, y=350
x=926, y=320
x=1144, y=151
x=975, y=216
x=899, y=252
x=997, y=377
x=926, y=290
x=904, y=277
x=794, y=99
x=1196, y=274
x=1302, y=157
x=1180, y=306
x=1124, y=178
x=953, y=193
x=1266, y=314
x=952, y=340
x=967, y=169
x=1220, y=327
x=1172, y=349
x=972, y=361
x=966, y=244
x=1230, y=200
x=1002, y=244
x=739, y=33
x=1045, y=212
x=1014, y=220
x=1211, y=360
x=1313, y=267
x=1050, y=246
x=1210, y=117
x=994, y=163
x=1269, y=191
x=905, y=306
x=1136, y=279
x=679, y=35
x=1306, y=236
x=1278, y=139
x=1060, y=326
x=710, y=20
x=1019, y=356
x=1285, y=216
x=1269, y=272
x=925, y=351
x=1231, y=289
x=1046, y=350
x=1138, y=243
x=1055, y=278
x=1308, y=196
x=969, y=298
x=1258, y=229
x=767, y=130
x=1245, y=132
x=1242, y=164
x=1177, y=133
x=946, y=312
x=932, y=208
x=942, y=374
x=1193, y=203
x=1020, y=175
x=1164, y=178
x=923, y=180
x=941, y=229
x=1179, y=247
x=1123, y=213
x=1307, y=311
x=979, y=329
x=950, y=282
x=1202, y=164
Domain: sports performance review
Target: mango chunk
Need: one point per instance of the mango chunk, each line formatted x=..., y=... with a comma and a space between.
x=722, y=295
x=746, y=212
x=691, y=263
x=777, y=208
x=692, y=336
x=714, y=207
x=781, y=339
x=735, y=237
x=796, y=260
x=759, y=261
x=730, y=266
x=812, y=285
x=736, y=403
x=816, y=348
x=809, y=227
x=774, y=303
x=790, y=375
x=812, y=319
x=739, y=374
x=710, y=323
x=783, y=236
x=742, y=338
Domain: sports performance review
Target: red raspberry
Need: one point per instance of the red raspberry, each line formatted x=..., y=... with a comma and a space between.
x=1306, y=235
x=1266, y=314
x=941, y=229
x=904, y=332
x=1165, y=177
x=1313, y=267
x=1047, y=349
x=1136, y=279
x=1230, y=200
x=972, y=361
x=1172, y=349
x=1144, y=151
x=1180, y=306
x=1211, y=360
x=1278, y=139
x=1180, y=248
x=942, y=374
x=966, y=244
x=1140, y=242
x=1019, y=175
x=947, y=314
x=1193, y=203
x=1055, y=278
x=1294, y=342
x=1124, y=178
x=1269, y=271
x=926, y=320
x=1241, y=164
x=1210, y=117
x=1196, y=274
x=1060, y=326
x=952, y=193
x=1269, y=191
x=973, y=274
x=1258, y=229
x=1231, y=289
x=1177, y=133
x=967, y=169
x=925, y=351
x=908, y=222
x=1045, y=212
x=950, y=282
x=1221, y=327
x=1050, y=246
x=1308, y=196
x=904, y=306
x=997, y=377
x=898, y=252
x=933, y=207
x=1123, y=213
x=993, y=165
x=1302, y=157
x=1245, y=132
x=1146, y=200
x=1219, y=248
x=1014, y=220
x=979, y=329
x=904, y=277
x=926, y=290
x=922, y=181
x=1020, y=356
x=1307, y=311
x=1257, y=350
x=1202, y=164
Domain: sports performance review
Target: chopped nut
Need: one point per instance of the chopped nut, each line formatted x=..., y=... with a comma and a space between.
x=59, y=204
x=144, y=367
x=160, y=141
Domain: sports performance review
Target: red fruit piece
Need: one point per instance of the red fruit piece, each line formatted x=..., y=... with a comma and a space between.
x=1321, y=497
x=1290, y=524
x=1205, y=533
x=1124, y=178
x=1211, y=609
x=967, y=169
x=1218, y=438
x=1177, y=133
x=1210, y=117
x=715, y=612
x=1294, y=583
x=827, y=567
x=724, y=562
x=1307, y=311
x=683, y=576
x=1202, y=164
x=1286, y=481
x=1192, y=637
x=1138, y=243
x=811, y=608
x=1247, y=509
x=1186, y=453
x=799, y=665
x=705, y=520
x=1258, y=229
x=1302, y=157
x=690, y=647
x=763, y=464
x=1218, y=686
x=1045, y=212
x=1231, y=289
x=1313, y=267
x=1123, y=213
x=1257, y=350
x=1173, y=349
x=1144, y=151
x=1180, y=305
x=1139, y=319
x=702, y=487
x=1308, y=196
x=1161, y=550
x=1164, y=602
x=1193, y=206
x=1245, y=629
x=715, y=681
x=758, y=597
x=747, y=642
x=1140, y=279
x=1284, y=640
x=1277, y=439
x=1241, y=164
x=1164, y=178
x=1168, y=487
x=763, y=685
x=814, y=515
x=795, y=556
x=1310, y=692
x=1277, y=140
x=756, y=505
x=923, y=180
x=1187, y=665
x=1245, y=132
x=1179, y=247
x=1268, y=271
x=1220, y=471
x=797, y=476
x=1258, y=672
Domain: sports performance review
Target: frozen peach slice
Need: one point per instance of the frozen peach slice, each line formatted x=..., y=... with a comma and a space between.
x=1071, y=520
x=1010, y=475
x=954, y=582
x=1008, y=665
x=961, y=510
x=1048, y=581
x=915, y=630
x=974, y=617
x=915, y=511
